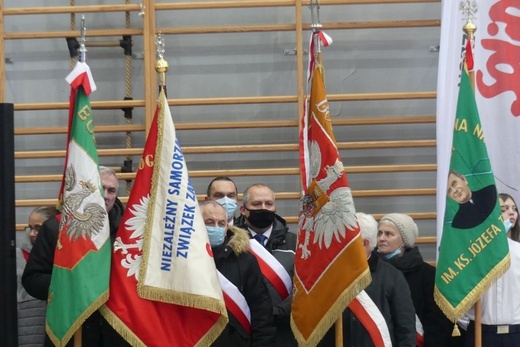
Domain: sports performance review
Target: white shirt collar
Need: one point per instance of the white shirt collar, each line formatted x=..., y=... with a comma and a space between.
x=266, y=233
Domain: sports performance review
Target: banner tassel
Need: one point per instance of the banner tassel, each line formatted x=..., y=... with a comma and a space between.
x=456, y=331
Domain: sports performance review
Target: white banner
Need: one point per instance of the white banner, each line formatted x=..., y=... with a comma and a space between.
x=177, y=255
x=497, y=90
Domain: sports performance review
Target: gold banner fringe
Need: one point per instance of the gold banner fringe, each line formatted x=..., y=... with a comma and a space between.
x=78, y=323
x=213, y=333
x=153, y=189
x=182, y=298
x=135, y=341
x=456, y=313
x=335, y=311
x=153, y=293
x=121, y=328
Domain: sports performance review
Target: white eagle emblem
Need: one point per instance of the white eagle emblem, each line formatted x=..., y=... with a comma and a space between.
x=83, y=220
x=136, y=224
x=337, y=215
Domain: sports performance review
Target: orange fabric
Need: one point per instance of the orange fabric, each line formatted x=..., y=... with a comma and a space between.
x=309, y=308
x=330, y=262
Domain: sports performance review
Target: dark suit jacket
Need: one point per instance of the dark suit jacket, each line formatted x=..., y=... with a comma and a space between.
x=476, y=211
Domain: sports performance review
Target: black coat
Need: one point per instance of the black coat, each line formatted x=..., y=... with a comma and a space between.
x=282, y=245
x=241, y=268
x=36, y=280
x=389, y=292
x=421, y=281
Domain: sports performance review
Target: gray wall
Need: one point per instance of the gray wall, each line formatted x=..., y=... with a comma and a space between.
x=241, y=65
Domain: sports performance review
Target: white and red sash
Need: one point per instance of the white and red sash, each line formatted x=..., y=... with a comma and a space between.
x=371, y=318
x=271, y=268
x=235, y=302
x=420, y=332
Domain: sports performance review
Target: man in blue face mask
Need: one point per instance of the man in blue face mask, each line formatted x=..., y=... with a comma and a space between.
x=223, y=190
x=259, y=218
x=241, y=271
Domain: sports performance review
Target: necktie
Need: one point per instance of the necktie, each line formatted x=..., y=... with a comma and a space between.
x=260, y=238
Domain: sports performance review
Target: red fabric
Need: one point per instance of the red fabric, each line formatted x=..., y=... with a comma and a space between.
x=237, y=312
x=420, y=340
x=153, y=322
x=469, y=55
x=271, y=275
x=25, y=254
x=364, y=318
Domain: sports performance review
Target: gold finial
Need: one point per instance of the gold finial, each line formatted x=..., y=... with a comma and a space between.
x=469, y=9
x=161, y=65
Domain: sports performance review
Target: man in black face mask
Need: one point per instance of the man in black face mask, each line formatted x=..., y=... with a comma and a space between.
x=259, y=218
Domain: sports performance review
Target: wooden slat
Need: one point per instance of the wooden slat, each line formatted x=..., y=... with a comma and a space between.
x=100, y=105
x=237, y=125
x=225, y=29
x=70, y=9
x=254, y=172
x=273, y=3
x=385, y=24
x=32, y=35
x=230, y=29
x=426, y=240
x=236, y=149
x=192, y=6
x=279, y=196
x=63, y=130
x=232, y=100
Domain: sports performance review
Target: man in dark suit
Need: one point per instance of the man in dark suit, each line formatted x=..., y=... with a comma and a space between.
x=474, y=206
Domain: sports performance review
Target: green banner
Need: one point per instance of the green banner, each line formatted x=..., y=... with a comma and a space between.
x=80, y=275
x=473, y=250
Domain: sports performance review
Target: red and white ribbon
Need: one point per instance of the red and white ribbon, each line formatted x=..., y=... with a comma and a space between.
x=420, y=332
x=371, y=318
x=235, y=302
x=325, y=40
x=271, y=269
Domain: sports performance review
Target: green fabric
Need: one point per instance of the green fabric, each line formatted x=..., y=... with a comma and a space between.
x=473, y=256
x=80, y=276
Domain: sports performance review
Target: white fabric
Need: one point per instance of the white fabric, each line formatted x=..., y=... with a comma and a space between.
x=234, y=294
x=79, y=69
x=418, y=326
x=500, y=126
x=177, y=240
x=86, y=170
x=272, y=262
x=501, y=303
x=373, y=312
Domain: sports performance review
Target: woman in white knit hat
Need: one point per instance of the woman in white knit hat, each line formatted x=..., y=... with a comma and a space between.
x=396, y=244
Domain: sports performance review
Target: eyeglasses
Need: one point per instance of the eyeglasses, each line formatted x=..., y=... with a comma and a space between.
x=29, y=228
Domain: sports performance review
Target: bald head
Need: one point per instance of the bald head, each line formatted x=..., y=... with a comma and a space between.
x=214, y=214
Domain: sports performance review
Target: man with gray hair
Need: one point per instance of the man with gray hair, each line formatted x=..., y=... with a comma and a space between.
x=388, y=291
x=36, y=277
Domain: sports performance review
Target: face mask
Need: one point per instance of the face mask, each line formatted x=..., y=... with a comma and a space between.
x=260, y=219
x=507, y=225
x=229, y=204
x=393, y=254
x=216, y=235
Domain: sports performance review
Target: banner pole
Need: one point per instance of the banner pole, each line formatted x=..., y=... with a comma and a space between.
x=478, y=323
x=77, y=336
x=338, y=325
x=470, y=28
